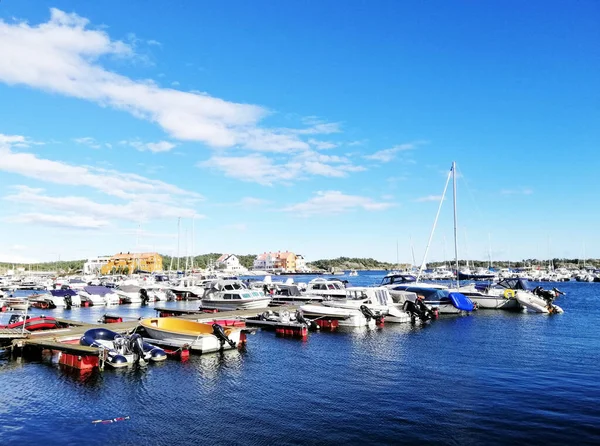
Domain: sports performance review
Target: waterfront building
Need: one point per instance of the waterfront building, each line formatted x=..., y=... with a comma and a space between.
x=278, y=261
x=131, y=262
x=230, y=263
x=94, y=265
x=301, y=263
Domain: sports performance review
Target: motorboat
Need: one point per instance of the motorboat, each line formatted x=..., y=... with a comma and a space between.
x=284, y=293
x=326, y=288
x=189, y=288
x=226, y=294
x=122, y=351
x=444, y=301
x=17, y=303
x=499, y=295
x=100, y=295
x=353, y=273
x=28, y=322
x=397, y=283
x=346, y=317
x=131, y=294
x=376, y=299
x=200, y=337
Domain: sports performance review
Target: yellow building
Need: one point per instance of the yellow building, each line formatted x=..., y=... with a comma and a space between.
x=131, y=262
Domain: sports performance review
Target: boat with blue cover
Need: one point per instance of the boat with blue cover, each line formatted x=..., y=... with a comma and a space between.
x=122, y=351
x=445, y=301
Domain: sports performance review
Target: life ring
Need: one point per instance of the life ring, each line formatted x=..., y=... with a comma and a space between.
x=508, y=294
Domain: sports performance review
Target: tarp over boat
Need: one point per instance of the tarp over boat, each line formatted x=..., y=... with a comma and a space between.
x=461, y=301
x=98, y=290
x=63, y=293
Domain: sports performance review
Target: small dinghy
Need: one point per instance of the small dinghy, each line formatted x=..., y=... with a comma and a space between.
x=122, y=351
x=540, y=300
x=30, y=323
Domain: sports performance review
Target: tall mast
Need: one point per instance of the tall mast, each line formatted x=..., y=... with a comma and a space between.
x=178, y=241
x=193, y=242
x=455, y=225
x=422, y=267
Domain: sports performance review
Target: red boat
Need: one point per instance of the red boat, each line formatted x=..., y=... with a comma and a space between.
x=31, y=323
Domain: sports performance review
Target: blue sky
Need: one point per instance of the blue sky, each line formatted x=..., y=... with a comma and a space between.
x=322, y=127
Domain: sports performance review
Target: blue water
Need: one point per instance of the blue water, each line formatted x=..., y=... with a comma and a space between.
x=490, y=378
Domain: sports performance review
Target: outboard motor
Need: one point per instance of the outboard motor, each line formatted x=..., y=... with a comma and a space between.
x=417, y=309
x=136, y=346
x=366, y=311
x=219, y=332
x=68, y=302
x=311, y=325
x=144, y=296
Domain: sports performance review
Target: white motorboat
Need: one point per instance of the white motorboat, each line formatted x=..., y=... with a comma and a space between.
x=500, y=295
x=346, y=317
x=131, y=294
x=376, y=299
x=17, y=303
x=100, y=295
x=326, y=288
x=353, y=273
x=226, y=294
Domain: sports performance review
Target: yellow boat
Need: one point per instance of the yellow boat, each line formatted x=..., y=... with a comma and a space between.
x=200, y=337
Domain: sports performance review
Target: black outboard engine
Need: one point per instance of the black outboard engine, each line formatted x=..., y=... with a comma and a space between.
x=311, y=325
x=221, y=336
x=417, y=309
x=144, y=296
x=136, y=346
x=68, y=302
x=369, y=314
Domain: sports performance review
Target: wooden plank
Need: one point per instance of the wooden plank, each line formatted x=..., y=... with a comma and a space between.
x=69, y=348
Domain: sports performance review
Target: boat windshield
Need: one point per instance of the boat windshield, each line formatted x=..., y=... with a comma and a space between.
x=397, y=279
x=515, y=284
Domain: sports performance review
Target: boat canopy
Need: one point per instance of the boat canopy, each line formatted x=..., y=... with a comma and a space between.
x=515, y=284
x=63, y=293
x=97, y=290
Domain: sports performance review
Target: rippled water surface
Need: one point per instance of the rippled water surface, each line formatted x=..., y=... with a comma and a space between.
x=490, y=378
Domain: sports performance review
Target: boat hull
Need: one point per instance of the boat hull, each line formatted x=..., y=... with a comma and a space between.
x=236, y=304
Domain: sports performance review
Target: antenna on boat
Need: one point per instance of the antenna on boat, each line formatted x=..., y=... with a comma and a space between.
x=178, y=240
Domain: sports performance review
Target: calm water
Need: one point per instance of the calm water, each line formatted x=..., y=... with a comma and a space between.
x=490, y=378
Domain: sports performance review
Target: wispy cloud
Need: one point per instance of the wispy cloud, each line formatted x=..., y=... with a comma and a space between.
x=387, y=155
x=335, y=202
x=155, y=147
x=428, y=198
x=88, y=141
x=143, y=198
x=267, y=171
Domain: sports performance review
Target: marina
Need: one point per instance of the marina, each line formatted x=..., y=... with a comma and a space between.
x=375, y=353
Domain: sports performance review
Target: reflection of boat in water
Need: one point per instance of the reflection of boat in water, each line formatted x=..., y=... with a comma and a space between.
x=122, y=351
x=30, y=323
x=201, y=338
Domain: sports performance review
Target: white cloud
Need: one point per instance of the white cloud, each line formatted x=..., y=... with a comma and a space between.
x=428, y=198
x=322, y=145
x=153, y=42
x=61, y=221
x=175, y=84
x=110, y=182
x=88, y=141
x=253, y=202
x=387, y=155
x=64, y=56
x=144, y=199
x=155, y=147
x=335, y=202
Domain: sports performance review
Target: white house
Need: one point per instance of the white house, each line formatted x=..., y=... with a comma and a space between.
x=92, y=266
x=230, y=263
x=301, y=263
